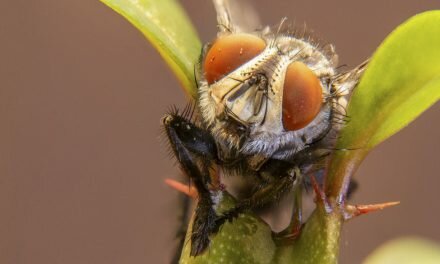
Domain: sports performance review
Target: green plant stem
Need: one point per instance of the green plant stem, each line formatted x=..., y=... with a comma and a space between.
x=318, y=241
x=340, y=173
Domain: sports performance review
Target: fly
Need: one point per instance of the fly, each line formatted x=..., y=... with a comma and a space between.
x=268, y=106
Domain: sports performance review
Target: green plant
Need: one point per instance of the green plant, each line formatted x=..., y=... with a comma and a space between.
x=401, y=81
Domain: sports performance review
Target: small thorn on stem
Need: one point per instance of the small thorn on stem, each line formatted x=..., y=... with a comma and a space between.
x=183, y=188
x=357, y=210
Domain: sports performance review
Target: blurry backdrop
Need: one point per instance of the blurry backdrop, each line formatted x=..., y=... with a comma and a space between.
x=81, y=163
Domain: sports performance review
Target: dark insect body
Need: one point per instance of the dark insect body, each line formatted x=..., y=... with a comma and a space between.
x=269, y=105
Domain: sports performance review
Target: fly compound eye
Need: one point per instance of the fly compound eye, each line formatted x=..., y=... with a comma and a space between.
x=302, y=96
x=229, y=53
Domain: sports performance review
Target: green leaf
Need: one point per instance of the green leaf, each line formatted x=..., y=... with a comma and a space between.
x=401, y=81
x=406, y=251
x=166, y=26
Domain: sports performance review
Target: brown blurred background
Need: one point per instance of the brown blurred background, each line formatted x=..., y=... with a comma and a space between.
x=81, y=163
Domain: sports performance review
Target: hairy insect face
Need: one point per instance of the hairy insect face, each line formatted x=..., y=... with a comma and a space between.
x=267, y=94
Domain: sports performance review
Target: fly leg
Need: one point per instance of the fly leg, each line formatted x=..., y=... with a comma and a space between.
x=195, y=151
x=268, y=193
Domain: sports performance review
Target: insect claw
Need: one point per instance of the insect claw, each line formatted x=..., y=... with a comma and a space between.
x=320, y=195
x=289, y=235
x=295, y=233
x=356, y=210
x=183, y=188
x=199, y=245
x=204, y=225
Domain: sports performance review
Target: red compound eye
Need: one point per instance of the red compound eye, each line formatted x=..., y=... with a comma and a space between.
x=230, y=52
x=302, y=96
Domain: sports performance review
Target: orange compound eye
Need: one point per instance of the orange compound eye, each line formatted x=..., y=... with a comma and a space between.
x=230, y=52
x=302, y=96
